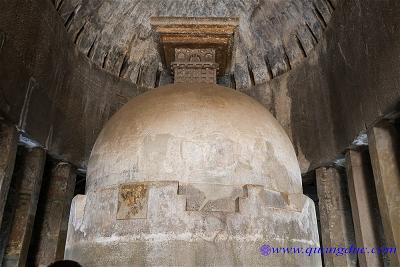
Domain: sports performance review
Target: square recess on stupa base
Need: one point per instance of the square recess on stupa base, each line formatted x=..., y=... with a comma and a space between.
x=215, y=33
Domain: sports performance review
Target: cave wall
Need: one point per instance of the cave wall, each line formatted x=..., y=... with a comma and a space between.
x=49, y=90
x=350, y=81
x=273, y=35
x=61, y=100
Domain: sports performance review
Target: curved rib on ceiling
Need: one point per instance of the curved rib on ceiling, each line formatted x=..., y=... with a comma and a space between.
x=274, y=35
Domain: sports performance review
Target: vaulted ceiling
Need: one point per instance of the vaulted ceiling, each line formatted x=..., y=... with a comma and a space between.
x=273, y=36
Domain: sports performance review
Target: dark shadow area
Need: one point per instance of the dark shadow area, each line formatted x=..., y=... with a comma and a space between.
x=80, y=184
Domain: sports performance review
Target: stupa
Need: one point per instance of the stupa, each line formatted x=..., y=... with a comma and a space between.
x=192, y=173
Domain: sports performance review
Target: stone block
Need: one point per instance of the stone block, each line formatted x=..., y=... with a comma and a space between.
x=173, y=236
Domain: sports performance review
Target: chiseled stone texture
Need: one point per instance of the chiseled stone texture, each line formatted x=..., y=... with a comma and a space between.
x=273, y=35
x=173, y=236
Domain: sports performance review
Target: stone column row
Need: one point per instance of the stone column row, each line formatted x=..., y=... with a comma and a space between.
x=26, y=188
x=21, y=176
x=373, y=182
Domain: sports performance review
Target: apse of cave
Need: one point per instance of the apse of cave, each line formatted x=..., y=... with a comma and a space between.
x=199, y=133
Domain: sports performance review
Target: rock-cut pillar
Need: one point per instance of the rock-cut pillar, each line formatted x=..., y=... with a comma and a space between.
x=335, y=215
x=59, y=191
x=8, y=150
x=384, y=148
x=27, y=182
x=364, y=206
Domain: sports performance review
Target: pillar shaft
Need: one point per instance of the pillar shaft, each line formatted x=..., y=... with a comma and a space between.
x=384, y=147
x=335, y=216
x=27, y=180
x=53, y=231
x=8, y=150
x=364, y=206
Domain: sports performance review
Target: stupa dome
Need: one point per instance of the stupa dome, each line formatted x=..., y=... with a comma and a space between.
x=194, y=134
x=191, y=175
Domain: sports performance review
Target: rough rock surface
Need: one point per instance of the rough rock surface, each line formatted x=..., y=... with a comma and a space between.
x=273, y=36
x=346, y=83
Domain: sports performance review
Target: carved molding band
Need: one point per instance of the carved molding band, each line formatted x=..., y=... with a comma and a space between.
x=194, y=66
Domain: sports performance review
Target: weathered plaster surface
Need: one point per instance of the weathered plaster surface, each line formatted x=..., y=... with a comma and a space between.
x=198, y=134
x=192, y=175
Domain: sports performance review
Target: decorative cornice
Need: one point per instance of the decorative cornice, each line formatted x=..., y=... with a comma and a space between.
x=196, y=33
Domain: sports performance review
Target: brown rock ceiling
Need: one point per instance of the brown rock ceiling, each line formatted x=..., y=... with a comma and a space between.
x=274, y=35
